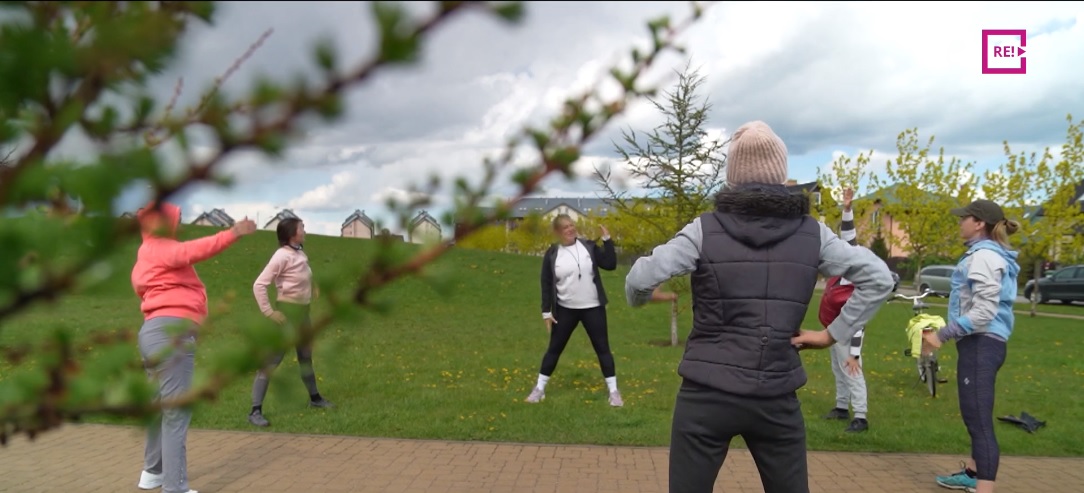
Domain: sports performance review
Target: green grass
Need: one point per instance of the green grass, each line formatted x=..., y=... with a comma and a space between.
x=1053, y=307
x=459, y=366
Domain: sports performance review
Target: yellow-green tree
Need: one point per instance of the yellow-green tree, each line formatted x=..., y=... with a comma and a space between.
x=1026, y=182
x=678, y=164
x=493, y=237
x=630, y=231
x=918, y=191
x=532, y=235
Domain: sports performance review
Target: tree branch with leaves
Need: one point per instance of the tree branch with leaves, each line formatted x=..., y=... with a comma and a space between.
x=61, y=75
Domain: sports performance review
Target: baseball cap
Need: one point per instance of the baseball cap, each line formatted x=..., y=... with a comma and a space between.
x=984, y=210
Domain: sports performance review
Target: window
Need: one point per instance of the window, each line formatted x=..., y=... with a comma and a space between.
x=1065, y=274
x=1079, y=273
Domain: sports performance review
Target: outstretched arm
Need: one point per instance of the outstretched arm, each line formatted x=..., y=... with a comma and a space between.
x=984, y=272
x=195, y=251
x=677, y=257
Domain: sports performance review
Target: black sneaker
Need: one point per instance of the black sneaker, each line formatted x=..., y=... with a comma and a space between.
x=257, y=419
x=838, y=413
x=321, y=403
x=858, y=425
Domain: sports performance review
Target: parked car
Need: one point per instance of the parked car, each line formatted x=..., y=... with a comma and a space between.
x=1065, y=285
x=935, y=277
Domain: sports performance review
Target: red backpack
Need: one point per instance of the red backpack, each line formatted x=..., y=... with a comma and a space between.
x=832, y=301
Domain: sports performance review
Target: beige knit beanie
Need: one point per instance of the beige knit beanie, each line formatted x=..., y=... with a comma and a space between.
x=757, y=155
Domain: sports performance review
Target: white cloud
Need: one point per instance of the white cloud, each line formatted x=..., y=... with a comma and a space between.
x=826, y=76
x=339, y=194
x=399, y=195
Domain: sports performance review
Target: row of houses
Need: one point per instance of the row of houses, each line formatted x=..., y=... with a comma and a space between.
x=424, y=227
x=421, y=229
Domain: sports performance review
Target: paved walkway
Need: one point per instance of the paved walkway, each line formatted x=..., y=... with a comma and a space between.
x=107, y=459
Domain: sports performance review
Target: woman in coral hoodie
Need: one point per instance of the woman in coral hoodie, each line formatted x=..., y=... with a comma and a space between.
x=174, y=305
x=289, y=270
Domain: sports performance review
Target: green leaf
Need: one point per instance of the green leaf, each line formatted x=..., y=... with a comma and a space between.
x=325, y=54
x=510, y=11
x=398, y=43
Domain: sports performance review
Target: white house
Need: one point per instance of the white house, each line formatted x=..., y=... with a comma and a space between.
x=424, y=228
x=283, y=214
x=216, y=217
x=358, y=225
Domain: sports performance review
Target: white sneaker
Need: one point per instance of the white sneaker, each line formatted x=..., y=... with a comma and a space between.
x=615, y=399
x=149, y=481
x=536, y=396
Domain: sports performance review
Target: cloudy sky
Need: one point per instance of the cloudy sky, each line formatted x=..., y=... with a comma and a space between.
x=830, y=78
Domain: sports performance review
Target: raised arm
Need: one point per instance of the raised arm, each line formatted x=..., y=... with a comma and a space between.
x=846, y=225
x=677, y=257
x=846, y=228
x=606, y=255
x=192, y=252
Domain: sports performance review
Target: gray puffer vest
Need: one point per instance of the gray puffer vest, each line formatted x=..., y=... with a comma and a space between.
x=752, y=286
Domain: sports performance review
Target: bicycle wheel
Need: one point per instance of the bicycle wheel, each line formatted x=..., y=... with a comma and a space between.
x=931, y=375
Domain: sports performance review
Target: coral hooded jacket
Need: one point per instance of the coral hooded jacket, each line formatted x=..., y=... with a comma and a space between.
x=163, y=276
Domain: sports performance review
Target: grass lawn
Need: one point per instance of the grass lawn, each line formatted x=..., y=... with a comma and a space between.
x=459, y=366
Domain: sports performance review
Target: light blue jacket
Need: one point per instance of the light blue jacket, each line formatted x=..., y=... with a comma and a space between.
x=984, y=290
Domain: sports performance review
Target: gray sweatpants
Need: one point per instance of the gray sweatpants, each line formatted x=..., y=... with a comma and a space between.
x=169, y=358
x=850, y=389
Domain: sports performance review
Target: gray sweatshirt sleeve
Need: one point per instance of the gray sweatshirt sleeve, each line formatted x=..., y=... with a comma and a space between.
x=871, y=278
x=676, y=257
x=984, y=273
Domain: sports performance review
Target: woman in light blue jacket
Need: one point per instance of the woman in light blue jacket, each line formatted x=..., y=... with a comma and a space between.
x=980, y=321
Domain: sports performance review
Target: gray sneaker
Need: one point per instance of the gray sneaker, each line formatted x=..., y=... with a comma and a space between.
x=615, y=399
x=257, y=419
x=322, y=404
x=537, y=395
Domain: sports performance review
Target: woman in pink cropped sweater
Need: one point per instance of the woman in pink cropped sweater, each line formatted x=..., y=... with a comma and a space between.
x=290, y=272
x=174, y=304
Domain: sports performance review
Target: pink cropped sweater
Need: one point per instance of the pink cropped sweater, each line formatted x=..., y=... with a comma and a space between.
x=289, y=270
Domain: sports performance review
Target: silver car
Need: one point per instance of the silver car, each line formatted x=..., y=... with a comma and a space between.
x=935, y=277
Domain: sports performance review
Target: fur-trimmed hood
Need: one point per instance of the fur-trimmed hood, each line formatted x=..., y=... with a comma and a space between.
x=760, y=215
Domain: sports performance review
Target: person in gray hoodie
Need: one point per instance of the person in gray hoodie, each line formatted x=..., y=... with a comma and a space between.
x=754, y=262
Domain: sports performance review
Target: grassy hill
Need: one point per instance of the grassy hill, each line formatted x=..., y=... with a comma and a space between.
x=458, y=366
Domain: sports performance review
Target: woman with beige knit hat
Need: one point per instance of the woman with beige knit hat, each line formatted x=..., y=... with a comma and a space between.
x=754, y=262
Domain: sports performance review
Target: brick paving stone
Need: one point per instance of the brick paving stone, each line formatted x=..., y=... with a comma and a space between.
x=103, y=458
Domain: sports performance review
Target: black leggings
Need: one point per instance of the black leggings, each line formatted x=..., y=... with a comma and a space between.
x=980, y=359
x=594, y=321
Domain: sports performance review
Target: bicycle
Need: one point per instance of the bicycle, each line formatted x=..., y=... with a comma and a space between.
x=927, y=363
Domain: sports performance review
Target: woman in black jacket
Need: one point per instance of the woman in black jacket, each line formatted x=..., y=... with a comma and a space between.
x=572, y=293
